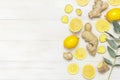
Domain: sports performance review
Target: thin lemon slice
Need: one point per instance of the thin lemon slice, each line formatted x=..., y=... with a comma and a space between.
x=75, y=25
x=73, y=69
x=101, y=49
x=88, y=71
x=82, y=2
x=80, y=53
x=65, y=19
x=68, y=8
x=102, y=25
x=114, y=2
x=102, y=38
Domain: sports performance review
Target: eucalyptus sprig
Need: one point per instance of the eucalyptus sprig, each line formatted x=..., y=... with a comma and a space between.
x=113, y=46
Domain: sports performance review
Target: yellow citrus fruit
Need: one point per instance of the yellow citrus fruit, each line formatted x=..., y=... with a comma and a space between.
x=78, y=12
x=82, y=2
x=101, y=49
x=102, y=25
x=71, y=42
x=68, y=8
x=65, y=19
x=75, y=25
x=114, y=2
x=73, y=69
x=113, y=14
x=102, y=38
x=80, y=53
x=88, y=71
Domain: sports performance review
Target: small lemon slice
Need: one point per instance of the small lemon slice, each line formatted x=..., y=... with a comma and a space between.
x=65, y=19
x=88, y=71
x=73, y=69
x=103, y=38
x=68, y=8
x=80, y=53
x=78, y=12
x=101, y=49
x=114, y=2
x=75, y=25
x=82, y=2
x=102, y=25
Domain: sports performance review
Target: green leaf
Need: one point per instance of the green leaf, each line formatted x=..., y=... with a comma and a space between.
x=116, y=39
x=116, y=26
x=118, y=46
x=112, y=44
x=117, y=65
x=108, y=61
x=110, y=35
x=117, y=56
x=111, y=52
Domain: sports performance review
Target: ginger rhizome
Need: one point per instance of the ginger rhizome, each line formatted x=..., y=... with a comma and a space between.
x=97, y=8
x=89, y=37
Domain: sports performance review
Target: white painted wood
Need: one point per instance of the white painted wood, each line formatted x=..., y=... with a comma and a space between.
x=31, y=41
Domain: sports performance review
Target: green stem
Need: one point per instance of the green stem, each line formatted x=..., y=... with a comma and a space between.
x=112, y=67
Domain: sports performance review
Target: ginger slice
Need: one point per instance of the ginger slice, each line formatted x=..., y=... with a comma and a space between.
x=73, y=68
x=103, y=38
x=68, y=8
x=101, y=49
x=102, y=25
x=78, y=12
x=65, y=19
x=88, y=71
x=75, y=25
x=80, y=53
x=82, y=2
x=114, y=2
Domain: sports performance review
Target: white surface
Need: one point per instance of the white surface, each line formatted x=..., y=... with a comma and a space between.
x=31, y=38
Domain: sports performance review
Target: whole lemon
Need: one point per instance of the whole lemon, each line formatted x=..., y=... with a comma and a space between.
x=113, y=14
x=71, y=41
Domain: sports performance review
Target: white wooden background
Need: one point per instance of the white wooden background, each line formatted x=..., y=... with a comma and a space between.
x=31, y=41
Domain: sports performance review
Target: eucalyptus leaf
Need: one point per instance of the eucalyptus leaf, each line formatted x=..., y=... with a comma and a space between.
x=116, y=39
x=108, y=61
x=118, y=46
x=117, y=65
x=116, y=26
x=112, y=44
x=111, y=52
x=110, y=35
x=117, y=56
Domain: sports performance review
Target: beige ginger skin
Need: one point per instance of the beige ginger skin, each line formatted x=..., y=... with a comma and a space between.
x=89, y=37
x=97, y=9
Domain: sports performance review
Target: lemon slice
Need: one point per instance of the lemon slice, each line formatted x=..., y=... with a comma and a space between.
x=78, y=12
x=73, y=69
x=75, y=25
x=88, y=71
x=65, y=19
x=103, y=38
x=80, y=53
x=102, y=25
x=68, y=8
x=114, y=2
x=71, y=41
x=82, y=2
x=101, y=49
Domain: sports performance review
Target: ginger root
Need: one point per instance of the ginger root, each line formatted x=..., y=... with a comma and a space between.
x=102, y=67
x=89, y=37
x=97, y=9
x=68, y=56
